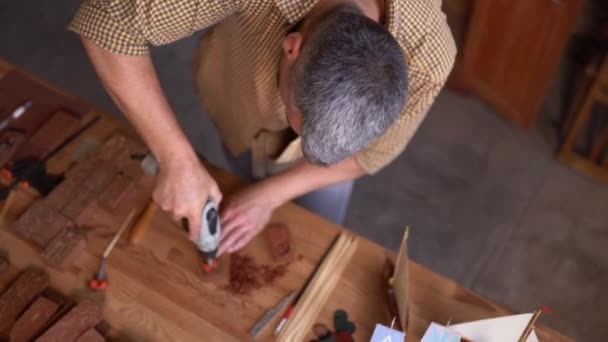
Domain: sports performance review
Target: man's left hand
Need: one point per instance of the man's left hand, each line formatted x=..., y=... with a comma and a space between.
x=244, y=215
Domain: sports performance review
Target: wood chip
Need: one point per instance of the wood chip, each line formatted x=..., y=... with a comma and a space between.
x=65, y=248
x=31, y=322
x=91, y=335
x=278, y=238
x=19, y=295
x=84, y=316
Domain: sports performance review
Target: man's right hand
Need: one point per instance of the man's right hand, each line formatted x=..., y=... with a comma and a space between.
x=182, y=189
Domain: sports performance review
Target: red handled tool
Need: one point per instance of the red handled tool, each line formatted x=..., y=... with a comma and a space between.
x=100, y=283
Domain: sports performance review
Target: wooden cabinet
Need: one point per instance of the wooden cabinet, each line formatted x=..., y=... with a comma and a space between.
x=512, y=50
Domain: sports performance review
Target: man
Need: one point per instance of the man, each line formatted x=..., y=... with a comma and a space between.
x=307, y=95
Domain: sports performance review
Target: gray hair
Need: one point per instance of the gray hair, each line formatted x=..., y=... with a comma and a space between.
x=350, y=84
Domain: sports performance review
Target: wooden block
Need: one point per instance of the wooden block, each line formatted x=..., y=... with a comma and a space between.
x=64, y=305
x=101, y=177
x=10, y=141
x=65, y=248
x=80, y=200
x=30, y=324
x=278, y=238
x=19, y=295
x=40, y=224
x=53, y=132
x=4, y=264
x=84, y=316
x=61, y=195
x=120, y=187
x=91, y=335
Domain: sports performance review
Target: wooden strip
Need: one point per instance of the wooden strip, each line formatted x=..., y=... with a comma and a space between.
x=91, y=335
x=30, y=324
x=83, y=316
x=21, y=293
x=319, y=289
x=65, y=248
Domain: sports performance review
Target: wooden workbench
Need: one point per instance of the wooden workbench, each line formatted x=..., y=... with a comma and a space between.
x=154, y=299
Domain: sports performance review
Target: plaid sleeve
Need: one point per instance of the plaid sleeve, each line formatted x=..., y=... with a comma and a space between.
x=130, y=26
x=430, y=64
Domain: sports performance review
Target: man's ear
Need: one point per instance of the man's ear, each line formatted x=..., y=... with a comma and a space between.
x=292, y=45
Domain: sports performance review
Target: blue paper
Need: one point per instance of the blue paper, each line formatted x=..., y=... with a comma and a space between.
x=438, y=333
x=386, y=334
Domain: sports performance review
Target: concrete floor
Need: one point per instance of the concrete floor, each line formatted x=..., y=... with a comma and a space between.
x=487, y=204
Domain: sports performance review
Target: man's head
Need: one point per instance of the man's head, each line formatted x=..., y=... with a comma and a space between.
x=343, y=79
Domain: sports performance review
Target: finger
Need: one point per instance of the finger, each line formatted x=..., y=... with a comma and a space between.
x=194, y=224
x=233, y=223
x=229, y=215
x=216, y=194
x=233, y=238
x=242, y=242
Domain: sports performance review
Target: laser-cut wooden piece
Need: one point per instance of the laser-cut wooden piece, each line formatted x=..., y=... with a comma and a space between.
x=120, y=187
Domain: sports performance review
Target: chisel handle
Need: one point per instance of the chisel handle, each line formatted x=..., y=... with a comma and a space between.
x=142, y=225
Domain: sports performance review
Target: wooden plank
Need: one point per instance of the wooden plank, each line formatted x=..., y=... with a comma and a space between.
x=52, y=133
x=82, y=317
x=91, y=335
x=19, y=295
x=30, y=324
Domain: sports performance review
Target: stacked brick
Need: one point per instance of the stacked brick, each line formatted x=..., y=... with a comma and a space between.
x=101, y=180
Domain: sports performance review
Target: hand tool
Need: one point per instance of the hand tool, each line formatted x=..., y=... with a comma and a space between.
x=16, y=114
x=143, y=222
x=100, y=282
x=292, y=306
x=270, y=314
x=208, y=239
x=32, y=171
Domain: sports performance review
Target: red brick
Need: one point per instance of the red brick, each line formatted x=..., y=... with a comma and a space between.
x=61, y=195
x=65, y=248
x=84, y=316
x=91, y=335
x=4, y=264
x=31, y=322
x=120, y=187
x=40, y=224
x=101, y=177
x=80, y=200
x=80, y=172
x=10, y=142
x=19, y=295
